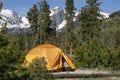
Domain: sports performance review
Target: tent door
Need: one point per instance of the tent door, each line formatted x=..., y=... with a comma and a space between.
x=66, y=67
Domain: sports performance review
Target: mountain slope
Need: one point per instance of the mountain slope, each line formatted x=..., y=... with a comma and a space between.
x=57, y=16
x=12, y=19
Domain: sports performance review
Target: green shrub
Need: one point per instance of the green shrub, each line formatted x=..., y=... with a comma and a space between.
x=95, y=55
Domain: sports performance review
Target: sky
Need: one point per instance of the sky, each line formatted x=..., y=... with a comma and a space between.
x=23, y=6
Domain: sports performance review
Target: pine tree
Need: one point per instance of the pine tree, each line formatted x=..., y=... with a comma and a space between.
x=32, y=16
x=11, y=57
x=70, y=24
x=3, y=36
x=89, y=21
x=3, y=32
x=45, y=21
x=38, y=71
x=1, y=4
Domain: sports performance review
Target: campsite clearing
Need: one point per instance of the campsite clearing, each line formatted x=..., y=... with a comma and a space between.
x=98, y=78
x=76, y=75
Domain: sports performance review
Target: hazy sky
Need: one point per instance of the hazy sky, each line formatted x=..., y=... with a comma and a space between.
x=22, y=6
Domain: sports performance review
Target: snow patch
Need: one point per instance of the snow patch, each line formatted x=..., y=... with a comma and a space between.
x=55, y=11
x=105, y=14
x=25, y=23
x=62, y=25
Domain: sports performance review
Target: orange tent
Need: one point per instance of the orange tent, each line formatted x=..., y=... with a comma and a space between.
x=53, y=55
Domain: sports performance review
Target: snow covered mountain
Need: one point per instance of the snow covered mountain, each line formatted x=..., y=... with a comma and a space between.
x=15, y=23
x=18, y=23
x=58, y=16
x=12, y=19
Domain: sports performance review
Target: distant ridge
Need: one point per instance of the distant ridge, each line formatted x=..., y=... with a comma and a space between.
x=18, y=23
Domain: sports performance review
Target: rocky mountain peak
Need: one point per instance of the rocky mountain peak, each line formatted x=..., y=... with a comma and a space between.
x=57, y=16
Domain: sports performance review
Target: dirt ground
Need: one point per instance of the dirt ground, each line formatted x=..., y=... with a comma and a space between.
x=115, y=75
x=102, y=78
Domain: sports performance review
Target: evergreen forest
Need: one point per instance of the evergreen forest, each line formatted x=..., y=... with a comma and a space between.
x=95, y=43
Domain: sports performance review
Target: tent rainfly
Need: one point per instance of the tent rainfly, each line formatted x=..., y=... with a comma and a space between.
x=55, y=58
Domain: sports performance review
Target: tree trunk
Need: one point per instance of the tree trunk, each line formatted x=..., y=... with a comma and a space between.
x=71, y=50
